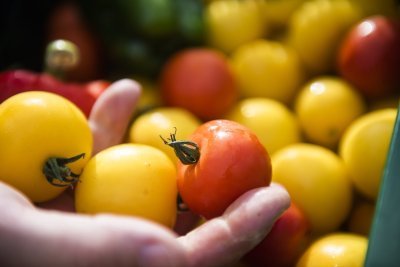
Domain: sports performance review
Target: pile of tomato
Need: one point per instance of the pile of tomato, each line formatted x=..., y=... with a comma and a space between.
x=303, y=93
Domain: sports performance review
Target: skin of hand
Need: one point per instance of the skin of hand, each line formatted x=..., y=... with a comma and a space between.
x=47, y=235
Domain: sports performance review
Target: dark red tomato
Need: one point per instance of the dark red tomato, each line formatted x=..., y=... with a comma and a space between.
x=84, y=95
x=284, y=243
x=369, y=57
x=232, y=161
x=199, y=80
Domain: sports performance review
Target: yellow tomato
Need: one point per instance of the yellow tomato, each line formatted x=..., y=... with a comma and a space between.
x=325, y=107
x=129, y=179
x=231, y=23
x=336, y=249
x=316, y=30
x=150, y=95
x=278, y=13
x=36, y=127
x=267, y=69
x=317, y=181
x=364, y=147
x=275, y=124
x=148, y=127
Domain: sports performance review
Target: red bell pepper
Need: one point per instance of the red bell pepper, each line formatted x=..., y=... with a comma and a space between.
x=81, y=94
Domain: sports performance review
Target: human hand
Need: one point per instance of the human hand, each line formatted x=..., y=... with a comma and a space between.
x=34, y=236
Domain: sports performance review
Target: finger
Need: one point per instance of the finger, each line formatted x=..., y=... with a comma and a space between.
x=108, y=120
x=36, y=237
x=111, y=114
x=245, y=223
x=10, y=197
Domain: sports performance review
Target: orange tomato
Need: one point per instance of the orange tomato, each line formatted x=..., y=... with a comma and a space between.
x=232, y=161
x=200, y=81
x=284, y=243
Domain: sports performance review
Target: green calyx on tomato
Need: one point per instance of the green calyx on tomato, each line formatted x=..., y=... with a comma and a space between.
x=58, y=174
x=187, y=151
x=232, y=161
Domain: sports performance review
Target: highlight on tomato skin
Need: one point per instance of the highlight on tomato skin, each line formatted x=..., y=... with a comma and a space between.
x=143, y=184
x=232, y=161
x=369, y=58
x=43, y=158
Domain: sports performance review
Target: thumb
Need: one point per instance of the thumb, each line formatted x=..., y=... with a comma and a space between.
x=244, y=224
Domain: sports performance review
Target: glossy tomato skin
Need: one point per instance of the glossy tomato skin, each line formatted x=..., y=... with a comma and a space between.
x=232, y=161
x=284, y=242
x=129, y=179
x=199, y=80
x=35, y=126
x=369, y=56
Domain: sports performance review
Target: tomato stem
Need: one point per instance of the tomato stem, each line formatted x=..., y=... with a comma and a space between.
x=188, y=152
x=58, y=174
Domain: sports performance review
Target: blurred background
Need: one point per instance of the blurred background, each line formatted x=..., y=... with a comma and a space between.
x=317, y=80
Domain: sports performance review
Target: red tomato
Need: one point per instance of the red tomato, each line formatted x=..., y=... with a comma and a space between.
x=199, y=80
x=369, y=57
x=284, y=243
x=96, y=88
x=232, y=161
